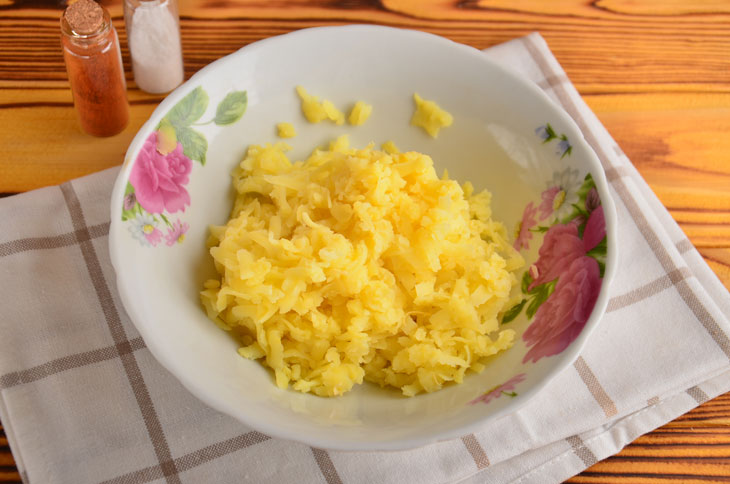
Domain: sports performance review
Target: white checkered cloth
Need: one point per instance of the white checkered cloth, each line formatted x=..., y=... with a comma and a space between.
x=83, y=401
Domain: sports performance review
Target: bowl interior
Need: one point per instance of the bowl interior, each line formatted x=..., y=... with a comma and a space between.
x=507, y=137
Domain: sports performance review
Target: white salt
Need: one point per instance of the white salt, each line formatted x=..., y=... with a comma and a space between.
x=154, y=44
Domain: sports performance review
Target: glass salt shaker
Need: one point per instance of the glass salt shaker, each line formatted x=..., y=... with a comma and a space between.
x=94, y=66
x=153, y=35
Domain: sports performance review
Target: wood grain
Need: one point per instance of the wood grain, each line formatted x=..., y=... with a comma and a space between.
x=657, y=74
x=693, y=448
x=8, y=472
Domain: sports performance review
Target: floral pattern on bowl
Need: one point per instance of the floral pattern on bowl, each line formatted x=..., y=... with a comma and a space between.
x=506, y=388
x=161, y=172
x=548, y=134
x=559, y=291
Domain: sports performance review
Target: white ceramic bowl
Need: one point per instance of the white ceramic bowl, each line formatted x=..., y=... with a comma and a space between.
x=507, y=137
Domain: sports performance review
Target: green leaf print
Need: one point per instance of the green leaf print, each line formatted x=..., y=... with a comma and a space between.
x=231, y=108
x=189, y=109
x=513, y=312
x=194, y=144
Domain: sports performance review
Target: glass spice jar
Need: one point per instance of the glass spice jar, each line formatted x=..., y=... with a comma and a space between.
x=94, y=66
x=153, y=35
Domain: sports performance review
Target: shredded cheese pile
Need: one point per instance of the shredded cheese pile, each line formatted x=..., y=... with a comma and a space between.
x=357, y=264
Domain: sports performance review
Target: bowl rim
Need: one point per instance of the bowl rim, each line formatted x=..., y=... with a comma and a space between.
x=167, y=359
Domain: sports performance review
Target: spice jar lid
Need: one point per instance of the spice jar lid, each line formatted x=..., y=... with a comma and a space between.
x=84, y=17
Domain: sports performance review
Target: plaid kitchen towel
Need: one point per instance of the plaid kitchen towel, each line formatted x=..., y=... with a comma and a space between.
x=83, y=401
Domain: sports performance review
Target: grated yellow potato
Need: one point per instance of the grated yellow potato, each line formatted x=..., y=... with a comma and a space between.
x=357, y=264
x=286, y=130
x=360, y=113
x=390, y=147
x=429, y=116
x=316, y=111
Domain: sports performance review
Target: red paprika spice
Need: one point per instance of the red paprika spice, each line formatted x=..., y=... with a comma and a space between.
x=94, y=66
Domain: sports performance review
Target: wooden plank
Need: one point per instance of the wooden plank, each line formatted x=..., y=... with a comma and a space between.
x=719, y=261
x=693, y=448
x=63, y=151
x=8, y=472
x=678, y=144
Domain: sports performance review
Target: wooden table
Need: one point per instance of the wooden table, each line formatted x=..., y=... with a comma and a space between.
x=656, y=73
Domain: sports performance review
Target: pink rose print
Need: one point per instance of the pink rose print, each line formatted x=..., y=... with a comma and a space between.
x=523, y=228
x=176, y=234
x=496, y=392
x=159, y=180
x=548, y=201
x=561, y=318
x=560, y=247
x=595, y=229
x=560, y=289
x=579, y=220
